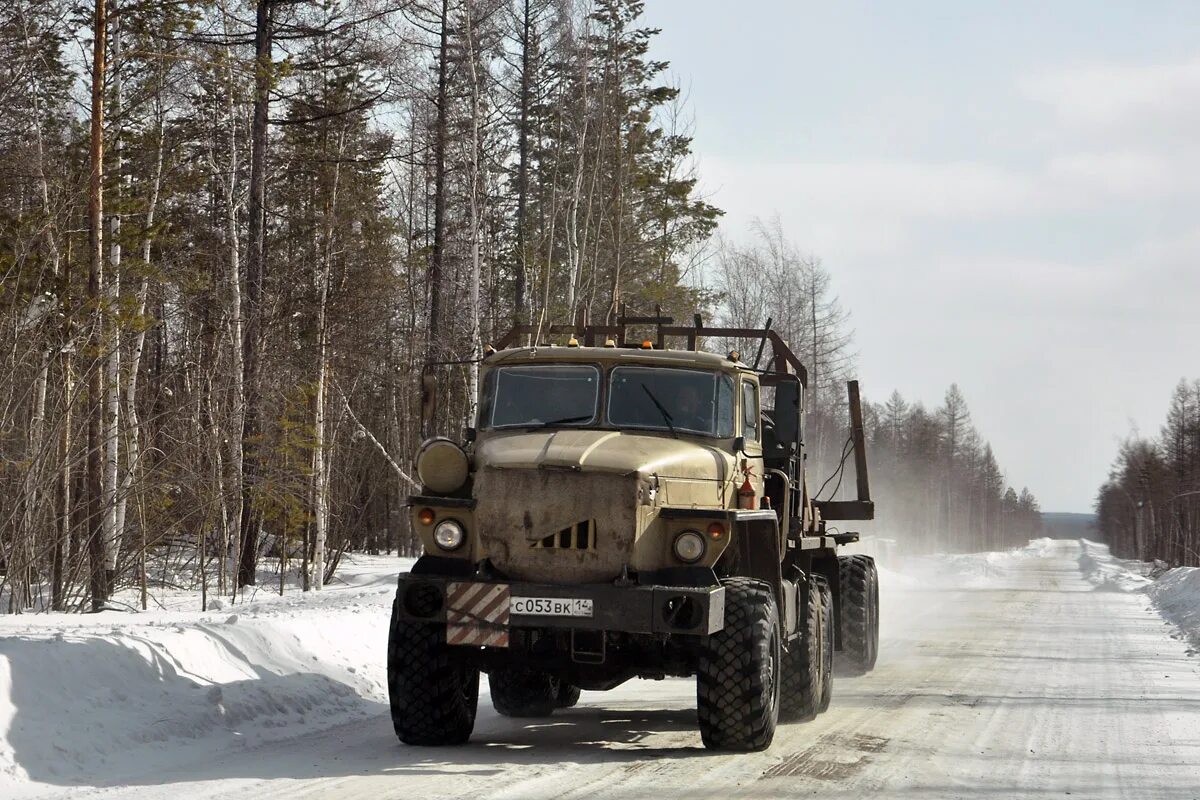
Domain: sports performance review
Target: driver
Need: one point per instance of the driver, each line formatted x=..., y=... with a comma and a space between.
x=690, y=410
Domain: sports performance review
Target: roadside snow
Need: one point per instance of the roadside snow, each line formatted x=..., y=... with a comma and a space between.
x=101, y=698
x=1111, y=574
x=1177, y=595
x=1175, y=592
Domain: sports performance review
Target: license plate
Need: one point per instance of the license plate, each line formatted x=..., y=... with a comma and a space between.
x=552, y=606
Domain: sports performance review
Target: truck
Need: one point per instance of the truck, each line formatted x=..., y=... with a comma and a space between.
x=620, y=509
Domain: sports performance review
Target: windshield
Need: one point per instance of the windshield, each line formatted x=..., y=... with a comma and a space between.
x=531, y=396
x=678, y=400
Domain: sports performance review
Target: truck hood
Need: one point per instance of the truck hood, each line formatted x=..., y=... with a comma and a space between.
x=570, y=506
x=612, y=452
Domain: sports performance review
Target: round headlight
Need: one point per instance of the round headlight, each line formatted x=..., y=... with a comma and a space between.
x=689, y=546
x=449, y=535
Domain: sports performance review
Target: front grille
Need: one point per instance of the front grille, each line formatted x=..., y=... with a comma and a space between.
x=580, y=536
x=555, y=526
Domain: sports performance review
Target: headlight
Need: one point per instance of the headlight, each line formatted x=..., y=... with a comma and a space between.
x=689, y=546
x=449, y=535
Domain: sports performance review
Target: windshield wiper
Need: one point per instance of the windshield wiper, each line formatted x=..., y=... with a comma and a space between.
x=563, y=421
x=665, y=414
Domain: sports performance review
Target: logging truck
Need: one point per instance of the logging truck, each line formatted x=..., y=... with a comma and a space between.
x=622, y=508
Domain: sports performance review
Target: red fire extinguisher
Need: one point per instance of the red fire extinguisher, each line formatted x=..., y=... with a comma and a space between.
x=746, y=498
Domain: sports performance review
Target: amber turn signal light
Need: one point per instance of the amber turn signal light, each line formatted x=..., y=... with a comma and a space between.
x=425, y=516
x=716, y=530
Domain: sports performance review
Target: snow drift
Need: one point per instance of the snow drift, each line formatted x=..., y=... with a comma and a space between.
x=105, y=698
x=1177, y=595
x=1175, y=592
x=1111, y=574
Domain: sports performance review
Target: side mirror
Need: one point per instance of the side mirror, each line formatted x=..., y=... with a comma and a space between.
x=428, y=396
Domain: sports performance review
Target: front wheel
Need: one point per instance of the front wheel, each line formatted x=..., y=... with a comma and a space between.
x=737, y=678
x=433, y=695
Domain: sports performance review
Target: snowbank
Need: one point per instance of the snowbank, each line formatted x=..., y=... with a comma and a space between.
x=1175, y=592
x=1177, y=595
x=104, y=698
x=1111, y=574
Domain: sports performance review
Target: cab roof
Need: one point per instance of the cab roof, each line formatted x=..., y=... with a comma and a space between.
x=616, y=355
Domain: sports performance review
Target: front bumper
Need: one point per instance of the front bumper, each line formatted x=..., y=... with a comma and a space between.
x=482, y=612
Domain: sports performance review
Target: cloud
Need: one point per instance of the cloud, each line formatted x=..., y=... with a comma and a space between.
x=899, y=189
x=1117, y=174
x=1141, y=101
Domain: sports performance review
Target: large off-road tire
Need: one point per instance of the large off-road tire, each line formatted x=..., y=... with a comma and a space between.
x=858, y=614
x=567, y=695
x=827, y=641
x=520, y=692
x=433, y=695
x=738, y=674
x=874, y=614
x=804, y=673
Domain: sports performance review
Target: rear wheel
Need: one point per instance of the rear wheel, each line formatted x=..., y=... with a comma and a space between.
x=804, y=675
x=519, y=692
x=827, y=629
x=858, y=614
x=433, y=696
x=567, y=695
x=737, y=678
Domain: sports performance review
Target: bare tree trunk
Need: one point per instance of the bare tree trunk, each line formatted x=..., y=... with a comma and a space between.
x=320, y=461
x=237, y=367
x=574, y=248
x=133, y=424
x=21, y=572
x=439, y=193
x=37, y=422
x=63, y=534
x=255, y=271
x=66, y=540
x=520, y=313
x=95, y=467
x=112, y=341
x=383, y=451
x=473, y=335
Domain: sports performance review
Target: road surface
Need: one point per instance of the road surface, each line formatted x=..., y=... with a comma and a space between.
x=1025, y=682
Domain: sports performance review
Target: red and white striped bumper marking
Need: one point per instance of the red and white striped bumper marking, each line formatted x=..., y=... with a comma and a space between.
x=477, y=614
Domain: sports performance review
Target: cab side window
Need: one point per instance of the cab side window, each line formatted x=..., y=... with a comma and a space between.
x=750, y=411
x=725, y=406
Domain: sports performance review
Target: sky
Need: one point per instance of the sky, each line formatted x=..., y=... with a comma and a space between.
x=1007, y=196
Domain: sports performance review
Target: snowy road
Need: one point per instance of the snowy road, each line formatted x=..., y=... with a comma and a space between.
x=1020, y=680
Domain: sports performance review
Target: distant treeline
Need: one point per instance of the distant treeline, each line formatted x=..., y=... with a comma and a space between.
x=936, y=481
x=1150, y=506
